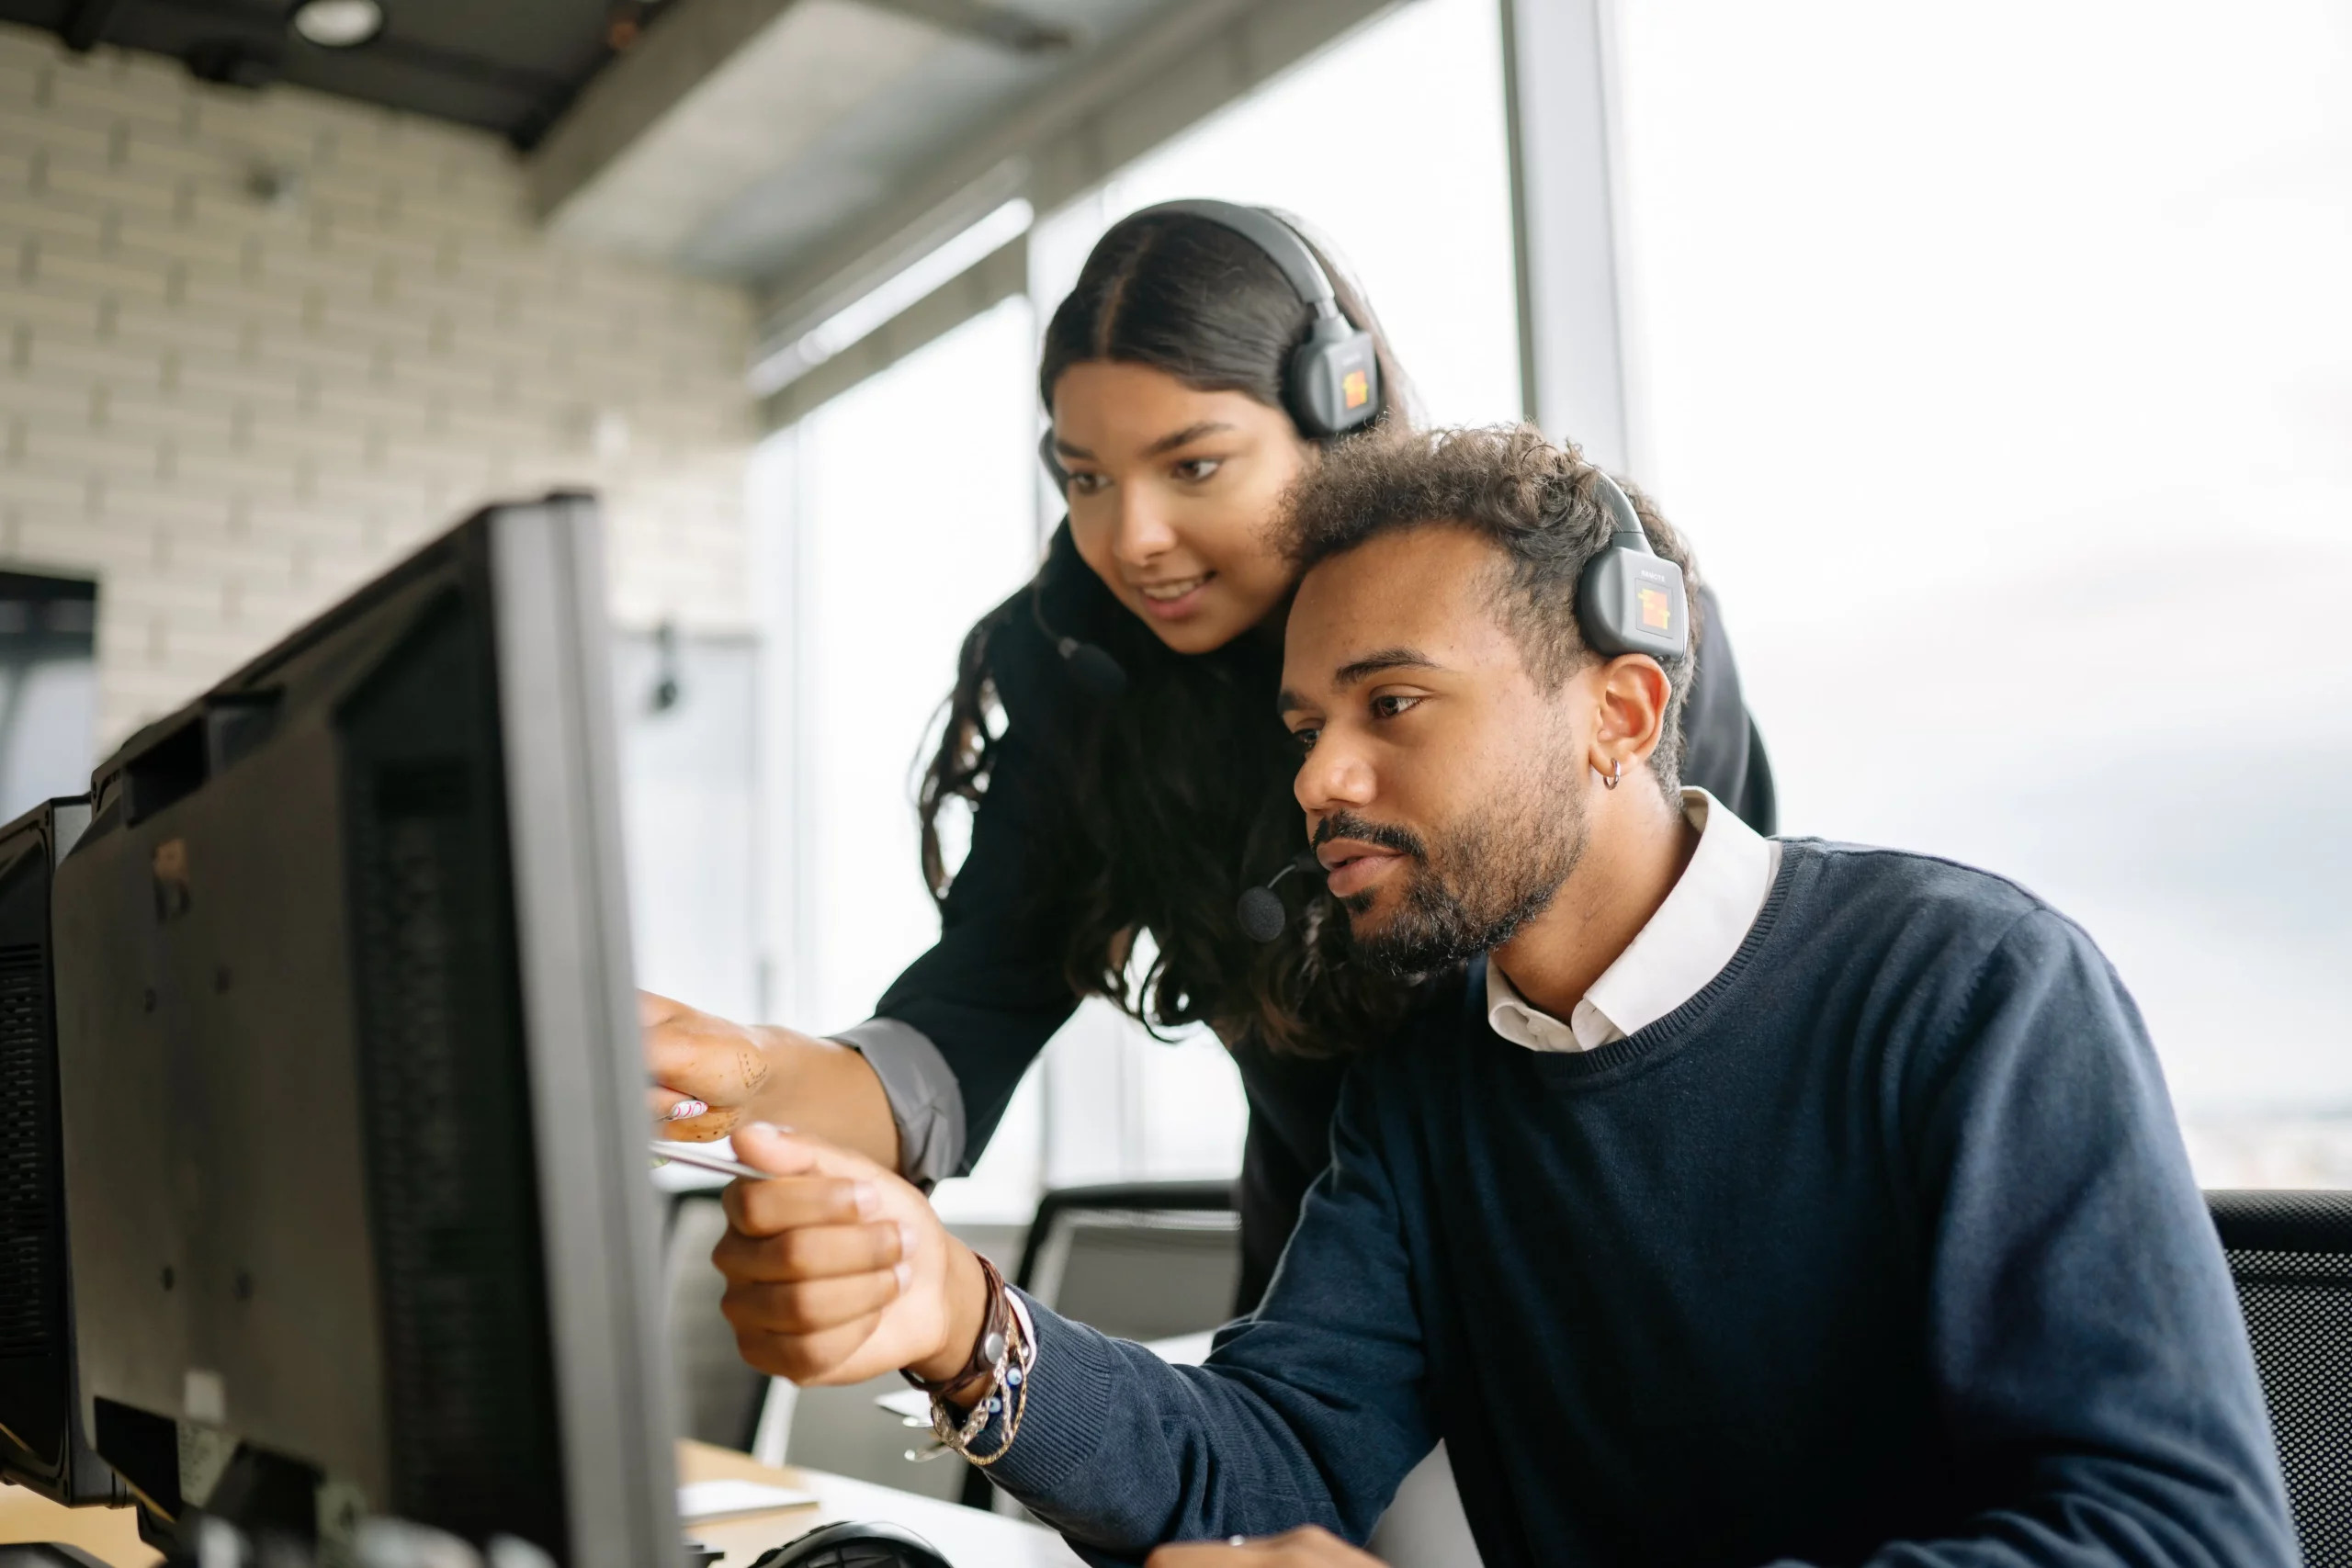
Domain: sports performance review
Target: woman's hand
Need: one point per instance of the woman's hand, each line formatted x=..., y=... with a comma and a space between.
x=837, y=1271
x=707, y=1071
x=1310, y=1546
x=711, y=1076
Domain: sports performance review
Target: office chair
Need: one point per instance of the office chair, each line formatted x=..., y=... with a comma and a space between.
x=2290, y=1255
x=1138, y=1260
x=720, y=1397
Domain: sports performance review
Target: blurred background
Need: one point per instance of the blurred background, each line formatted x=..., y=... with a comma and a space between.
x=1999, y=360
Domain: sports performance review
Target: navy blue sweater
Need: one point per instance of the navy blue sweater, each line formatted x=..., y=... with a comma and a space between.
x=1882, y=1248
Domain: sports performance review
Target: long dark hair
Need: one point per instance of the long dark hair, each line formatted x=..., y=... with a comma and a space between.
x=1172, y=798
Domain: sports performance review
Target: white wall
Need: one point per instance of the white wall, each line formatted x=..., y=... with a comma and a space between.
x=693, y=818
x=232, y=413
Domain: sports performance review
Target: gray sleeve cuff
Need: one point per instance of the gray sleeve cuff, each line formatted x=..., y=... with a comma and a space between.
x=927, y=1101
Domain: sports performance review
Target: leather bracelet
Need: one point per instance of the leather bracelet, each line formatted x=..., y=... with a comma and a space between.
x=987, y=1347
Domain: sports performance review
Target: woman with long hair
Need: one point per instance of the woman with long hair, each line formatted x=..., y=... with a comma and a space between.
x=1111, y=730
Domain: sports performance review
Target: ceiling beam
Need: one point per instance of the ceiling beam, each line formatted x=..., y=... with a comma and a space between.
x=1170, y=76
x=996, y=277
x=710, y=102
x=86, y=22
x=999, y=25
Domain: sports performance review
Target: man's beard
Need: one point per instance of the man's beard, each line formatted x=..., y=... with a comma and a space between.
x=1485, y=876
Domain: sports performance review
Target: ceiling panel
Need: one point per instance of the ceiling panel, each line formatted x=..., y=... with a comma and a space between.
x=508, y=66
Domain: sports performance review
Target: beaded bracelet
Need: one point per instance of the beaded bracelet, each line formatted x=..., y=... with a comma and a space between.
x=988, y=1345
x=1012, y=1385
x=1007, y=1350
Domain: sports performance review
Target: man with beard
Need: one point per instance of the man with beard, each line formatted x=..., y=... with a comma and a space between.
x=1728, y=1202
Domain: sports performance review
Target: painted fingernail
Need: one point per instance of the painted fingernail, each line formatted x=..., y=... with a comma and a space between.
x=685, y=1109
x=869, y=1200
x=906, y=1275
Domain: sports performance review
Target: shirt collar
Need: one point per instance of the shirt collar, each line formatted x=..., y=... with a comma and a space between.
x=1686, y=943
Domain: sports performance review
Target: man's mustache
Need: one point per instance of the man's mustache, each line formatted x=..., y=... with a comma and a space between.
x=1348, y=824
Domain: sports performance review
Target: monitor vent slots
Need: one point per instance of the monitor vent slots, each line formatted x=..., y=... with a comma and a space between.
x=468, y=1375
x=27, y=1158
x=446, y=1334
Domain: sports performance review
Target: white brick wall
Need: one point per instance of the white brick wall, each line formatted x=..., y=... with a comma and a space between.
x=233, y=412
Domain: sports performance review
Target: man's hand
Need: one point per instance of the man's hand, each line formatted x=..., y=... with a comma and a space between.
x=1310, y=1546
x=837, y=1271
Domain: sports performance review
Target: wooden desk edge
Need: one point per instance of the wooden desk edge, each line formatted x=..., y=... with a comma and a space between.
x=968, y=1538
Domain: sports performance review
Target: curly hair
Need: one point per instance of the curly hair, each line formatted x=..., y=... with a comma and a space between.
x=1537, y=503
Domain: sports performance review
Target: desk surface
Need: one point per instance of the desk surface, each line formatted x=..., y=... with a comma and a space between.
x=965, y=1537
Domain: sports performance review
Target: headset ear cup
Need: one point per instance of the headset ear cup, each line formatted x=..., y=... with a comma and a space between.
x=1632, y=601
x=1334, y=380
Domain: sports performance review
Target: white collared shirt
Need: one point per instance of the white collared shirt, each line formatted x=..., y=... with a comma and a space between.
x=1694, y=934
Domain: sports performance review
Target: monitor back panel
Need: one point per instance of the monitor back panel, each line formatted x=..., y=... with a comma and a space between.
x=302, y=982
x=41, y=1445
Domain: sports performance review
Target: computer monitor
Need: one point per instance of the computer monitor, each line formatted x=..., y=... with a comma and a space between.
x=352, y=1101
x=43, y=1445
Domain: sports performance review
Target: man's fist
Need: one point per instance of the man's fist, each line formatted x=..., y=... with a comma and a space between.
x=837, y=1271
x=1310, y=1546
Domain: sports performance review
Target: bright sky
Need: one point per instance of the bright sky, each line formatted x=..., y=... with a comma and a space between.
x=1999, y=360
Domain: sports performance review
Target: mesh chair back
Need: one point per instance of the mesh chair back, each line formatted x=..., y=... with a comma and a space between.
x=2290, y=1254
x=719, y=1394
x=1139, y=1260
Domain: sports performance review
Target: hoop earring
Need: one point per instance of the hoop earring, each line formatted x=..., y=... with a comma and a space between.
x=1616, y=772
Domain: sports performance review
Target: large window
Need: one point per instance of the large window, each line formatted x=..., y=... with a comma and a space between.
x=1997, y=361
x=894, y=517
x=49, y=688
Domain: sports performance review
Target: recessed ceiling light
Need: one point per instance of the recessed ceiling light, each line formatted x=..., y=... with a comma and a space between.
x=338, y=24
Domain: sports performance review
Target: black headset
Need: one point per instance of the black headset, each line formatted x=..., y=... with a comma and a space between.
x=1630, y=599
x=1331, y=384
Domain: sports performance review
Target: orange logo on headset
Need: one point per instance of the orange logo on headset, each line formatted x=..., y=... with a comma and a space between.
x=1657, y=610
x=1355, y=387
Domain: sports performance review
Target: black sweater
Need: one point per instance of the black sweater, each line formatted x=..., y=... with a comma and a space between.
x=991, y=992
x=1882, y=1248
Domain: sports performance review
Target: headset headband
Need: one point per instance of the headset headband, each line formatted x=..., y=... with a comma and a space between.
x=1282, y=243
x=1331, y=380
